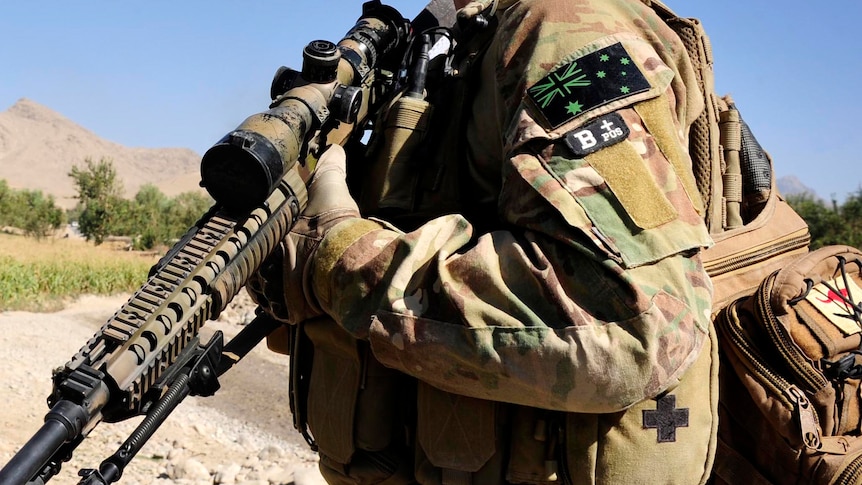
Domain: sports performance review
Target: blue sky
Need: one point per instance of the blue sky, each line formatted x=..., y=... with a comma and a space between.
x=183, y=73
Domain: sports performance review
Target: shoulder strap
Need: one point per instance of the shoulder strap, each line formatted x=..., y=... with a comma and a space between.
x=661, y=9
x=704, y=140
x=732, y=468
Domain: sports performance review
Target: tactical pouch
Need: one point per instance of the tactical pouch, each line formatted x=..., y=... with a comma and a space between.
x=550, y=447
x=535, y=446
x=790, y=400
x=760, y=232
x=669, y=439
x=392, y=184
x=354, y=410
x=457, y=439
x=335, y=375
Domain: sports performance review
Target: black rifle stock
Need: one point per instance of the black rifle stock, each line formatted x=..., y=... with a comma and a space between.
x=147, y=357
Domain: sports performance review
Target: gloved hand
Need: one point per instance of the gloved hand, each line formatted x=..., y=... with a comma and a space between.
x=282, y=285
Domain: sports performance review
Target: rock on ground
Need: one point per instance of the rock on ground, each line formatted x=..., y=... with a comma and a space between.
x=242, y=435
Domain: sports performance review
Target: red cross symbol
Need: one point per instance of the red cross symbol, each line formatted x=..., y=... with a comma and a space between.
x=833, y=297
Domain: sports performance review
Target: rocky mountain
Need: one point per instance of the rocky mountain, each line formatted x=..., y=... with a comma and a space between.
x=38, y=148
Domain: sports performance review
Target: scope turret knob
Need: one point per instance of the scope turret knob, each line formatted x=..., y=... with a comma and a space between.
x=320, y=62
x=346, y=102
x=283, y=80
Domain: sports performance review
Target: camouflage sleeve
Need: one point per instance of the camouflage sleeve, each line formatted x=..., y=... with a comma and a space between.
x=595, y=299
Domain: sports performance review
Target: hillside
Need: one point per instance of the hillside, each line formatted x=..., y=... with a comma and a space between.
x=38, y=148
x=791, y=185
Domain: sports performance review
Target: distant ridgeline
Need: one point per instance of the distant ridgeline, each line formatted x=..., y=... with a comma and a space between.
x=38, y=148
x=791, y=185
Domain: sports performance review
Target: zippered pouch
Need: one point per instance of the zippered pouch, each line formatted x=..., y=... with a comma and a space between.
x=790, y=376
x=755, y=231
x=741, y=258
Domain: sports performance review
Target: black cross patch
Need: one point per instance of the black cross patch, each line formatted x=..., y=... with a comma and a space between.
x=666, y=418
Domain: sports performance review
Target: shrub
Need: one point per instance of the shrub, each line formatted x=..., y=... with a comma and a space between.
x=30, y=211
x=838, y=224
x=99, y=194
x=150, y=219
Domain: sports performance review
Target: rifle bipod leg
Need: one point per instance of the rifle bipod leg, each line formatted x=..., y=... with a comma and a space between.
x=199, y=379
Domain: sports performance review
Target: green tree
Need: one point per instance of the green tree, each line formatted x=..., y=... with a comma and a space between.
x=159, y=220
x=41, y=214
x=7, y=204
x=29, y=210
x=99, y=194
x=184, y=210
x=851, y=214
x=148, y=217
x=838, y=224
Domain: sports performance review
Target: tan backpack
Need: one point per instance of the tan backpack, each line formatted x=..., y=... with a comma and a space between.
x=789, y=327
x=791, y=374
x=790, y=401
x=754, y=229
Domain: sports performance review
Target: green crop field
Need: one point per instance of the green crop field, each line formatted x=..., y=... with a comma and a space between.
x=43, y=275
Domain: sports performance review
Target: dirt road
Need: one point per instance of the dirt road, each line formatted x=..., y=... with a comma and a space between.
x=242, y=435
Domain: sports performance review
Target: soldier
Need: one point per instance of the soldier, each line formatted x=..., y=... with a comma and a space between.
x=541, y=314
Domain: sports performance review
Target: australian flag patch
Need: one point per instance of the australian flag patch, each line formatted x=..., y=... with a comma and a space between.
x=586, y=83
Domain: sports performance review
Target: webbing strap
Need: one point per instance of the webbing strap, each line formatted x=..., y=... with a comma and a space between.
x=731, y=467
x=661, y=9
x=704, y=144
x=456, y=477
x=731, y=141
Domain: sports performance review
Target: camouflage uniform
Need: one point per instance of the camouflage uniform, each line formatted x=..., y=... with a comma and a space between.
x=587, y=308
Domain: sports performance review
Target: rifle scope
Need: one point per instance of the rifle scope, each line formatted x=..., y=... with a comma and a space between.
x=337, y=82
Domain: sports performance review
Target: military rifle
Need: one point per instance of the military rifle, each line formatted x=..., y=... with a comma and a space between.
x=148, y=356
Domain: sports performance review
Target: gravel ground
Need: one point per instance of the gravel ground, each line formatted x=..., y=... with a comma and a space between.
x=242, y=435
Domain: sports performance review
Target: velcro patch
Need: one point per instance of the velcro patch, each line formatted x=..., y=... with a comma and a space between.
x=605, y=131
x=586, y=83
x=832, y=304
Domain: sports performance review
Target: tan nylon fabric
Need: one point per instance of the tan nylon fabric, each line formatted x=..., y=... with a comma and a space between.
x=782, y=415
x=704, y=145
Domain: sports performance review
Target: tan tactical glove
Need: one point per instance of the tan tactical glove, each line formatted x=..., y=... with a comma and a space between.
x=282, y=285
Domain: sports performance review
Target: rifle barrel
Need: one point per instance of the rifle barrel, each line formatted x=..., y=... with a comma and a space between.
x=36, y=453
